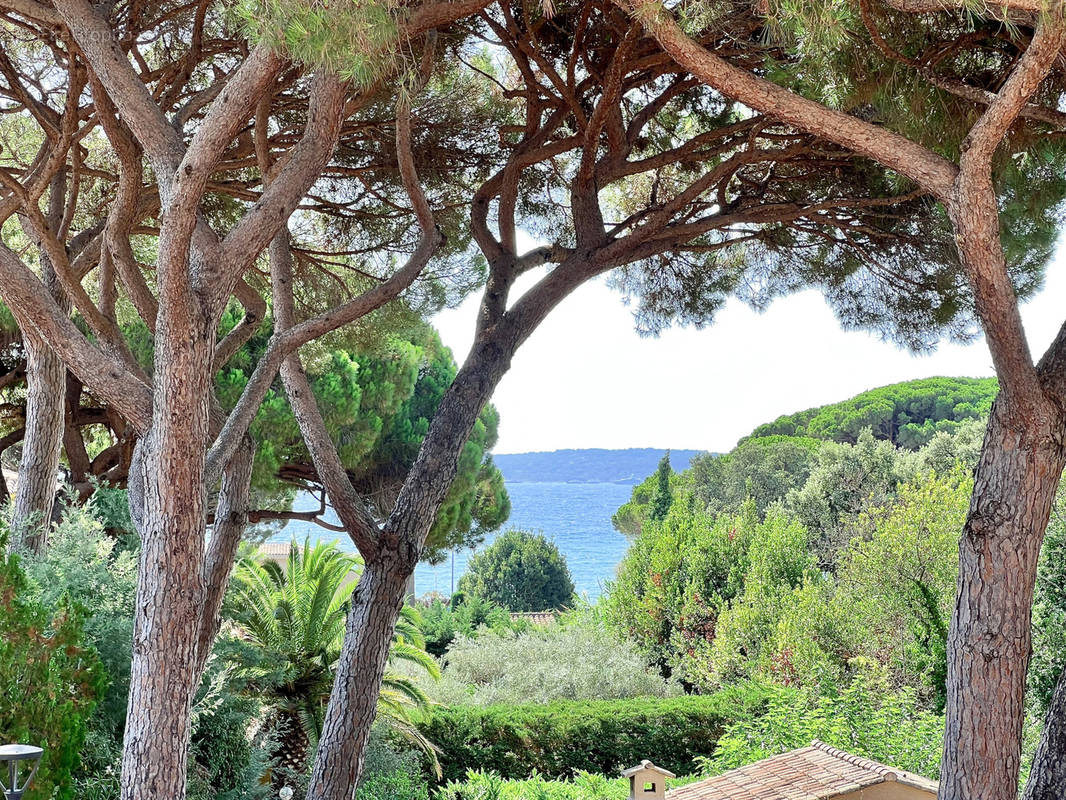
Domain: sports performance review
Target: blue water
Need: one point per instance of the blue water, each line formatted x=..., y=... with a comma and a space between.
x=577, y=516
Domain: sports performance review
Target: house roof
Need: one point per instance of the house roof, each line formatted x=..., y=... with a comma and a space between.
x=275, y=549
x=816, y=772
x=538, y=618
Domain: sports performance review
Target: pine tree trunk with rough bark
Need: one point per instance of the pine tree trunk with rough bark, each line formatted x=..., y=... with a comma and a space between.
x=36, y=490
x=376, y=603
x=1047, y=780
x=379, y=594
x=1015, y=482
x=168, y=499
x=989, y=642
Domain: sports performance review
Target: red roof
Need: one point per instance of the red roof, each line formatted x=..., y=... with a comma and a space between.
x=816, y=772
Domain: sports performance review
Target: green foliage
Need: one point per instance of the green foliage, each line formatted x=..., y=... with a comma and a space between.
x=464, y=616
x=846, y=480
x=378, y=387
x=900, y=582
x=601, y=736
x=663, y=498
x=49, y=678
x=907, y=414
x=292, y=622
x=1049, y=610
x=629, y=519
x=407, y=784
x=571, y=660
x=781, y=579
x=83, y=563
x=226, y=764
x=482, y=785
x=679, y=575
x=390, y=771
x=866, y=718
x=520, y=571
x=357, y=42
x=763, y=468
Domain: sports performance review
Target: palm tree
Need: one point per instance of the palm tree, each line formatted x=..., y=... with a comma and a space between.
x=290, y=620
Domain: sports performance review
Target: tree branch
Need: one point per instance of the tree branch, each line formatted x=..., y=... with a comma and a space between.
x=930, y=171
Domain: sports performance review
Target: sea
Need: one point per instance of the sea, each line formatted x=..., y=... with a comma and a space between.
x=576, y=516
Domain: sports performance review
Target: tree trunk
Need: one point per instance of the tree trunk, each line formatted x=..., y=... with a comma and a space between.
x=989, y=641
x=36, y=491
x=1047, y=780
x=379, y=594
x=376, y=603
x=289, y=754
x=167, y=499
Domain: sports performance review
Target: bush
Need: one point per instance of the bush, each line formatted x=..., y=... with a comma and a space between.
x=480, y=785
x=520, y=571
x=603, y=736
x=442, y=622
x=867, y=718
x=225, y=764
x=569, y=661
x=49, y=679
x=390, y=771
x=83, y=563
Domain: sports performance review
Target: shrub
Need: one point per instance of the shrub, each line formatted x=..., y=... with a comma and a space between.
x=390, y=770
x=479, y=785
x=520, y=571
x=601, y=736
x=866, y=718
x=49, y=679
x=84, y=564
x=225, y=764
x=569, y=661
x=442, y=622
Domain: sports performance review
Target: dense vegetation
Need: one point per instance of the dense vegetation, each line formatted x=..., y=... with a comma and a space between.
x=601, y=736
x=907, y=414
x=520, y=571
x=819, y=558
x=50, y=678
x=795, y=588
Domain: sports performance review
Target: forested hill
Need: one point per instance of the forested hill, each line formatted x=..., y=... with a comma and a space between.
x=588, y=466
x=906, y=414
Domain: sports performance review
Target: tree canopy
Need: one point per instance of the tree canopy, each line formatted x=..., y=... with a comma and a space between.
x=520, y=571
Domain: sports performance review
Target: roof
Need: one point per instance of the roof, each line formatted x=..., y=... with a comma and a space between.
x=535, y=617
x=272, y=549
x=646, y=765
x=815, y=772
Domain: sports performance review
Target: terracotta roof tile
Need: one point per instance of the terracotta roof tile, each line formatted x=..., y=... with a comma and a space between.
x=536, y=618
x=816, y=772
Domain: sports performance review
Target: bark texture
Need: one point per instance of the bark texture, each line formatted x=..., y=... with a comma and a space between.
x=168, y=482
x=376, y=603
x=989, y=640
x=1047, y=781
x=36, y=490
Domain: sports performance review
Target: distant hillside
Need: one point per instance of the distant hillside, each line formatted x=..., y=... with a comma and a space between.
x=908, y=414
x=588, y=466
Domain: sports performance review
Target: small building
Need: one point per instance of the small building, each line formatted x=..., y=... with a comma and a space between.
x=647, y=781
x=815, y=772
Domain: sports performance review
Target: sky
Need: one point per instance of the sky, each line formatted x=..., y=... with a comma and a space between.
x=585, y=378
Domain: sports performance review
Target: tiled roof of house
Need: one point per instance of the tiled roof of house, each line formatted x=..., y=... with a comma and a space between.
x=535, y=617
x=816, y=772
x=275, y=549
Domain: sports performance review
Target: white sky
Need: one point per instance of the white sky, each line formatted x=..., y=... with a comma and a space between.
x=586, y=379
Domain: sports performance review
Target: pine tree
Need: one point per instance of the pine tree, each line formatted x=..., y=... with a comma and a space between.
x=660, y=504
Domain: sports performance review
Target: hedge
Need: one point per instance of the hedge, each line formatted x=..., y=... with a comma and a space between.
x=600, y=736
